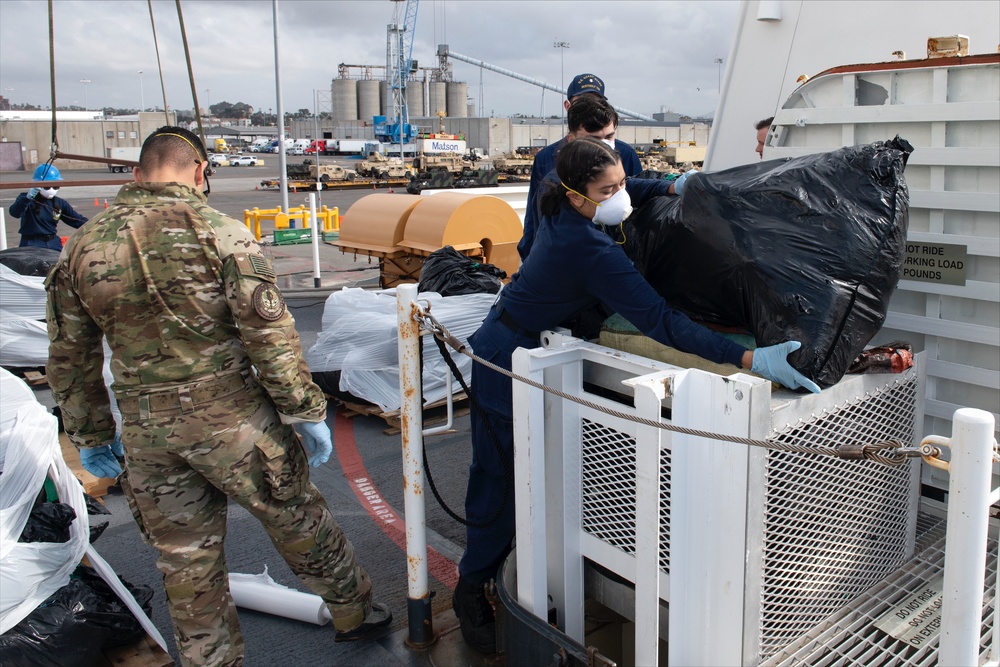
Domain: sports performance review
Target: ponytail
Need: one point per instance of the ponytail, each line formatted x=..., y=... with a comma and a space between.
x=579, y=162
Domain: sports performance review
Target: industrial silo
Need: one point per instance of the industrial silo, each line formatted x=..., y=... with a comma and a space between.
x=439, y=98
x=457, y=95
x=415, y=98
x=344, y=99
x=385, y=98
x=368, y=102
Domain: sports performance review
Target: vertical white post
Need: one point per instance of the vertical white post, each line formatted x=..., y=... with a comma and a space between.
x=421, y=629
x=3, y=230
x=315, y=239
x=282, y=158
x=965, y=542
x=649, y=443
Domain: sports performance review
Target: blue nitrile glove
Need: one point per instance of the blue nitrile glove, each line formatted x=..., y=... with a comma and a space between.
x=100, y=462
x=318, y=441
x=679, y=183
x=772, y=363
x=117, y=448
x=32, y=193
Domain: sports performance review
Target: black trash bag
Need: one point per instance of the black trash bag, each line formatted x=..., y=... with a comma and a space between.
x=48, y=522
x=450, y=273
x=74, y=624
x=808, y=249
x=95, y=508
x=29, y=260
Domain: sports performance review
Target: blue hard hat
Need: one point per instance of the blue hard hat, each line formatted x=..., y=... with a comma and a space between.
x=46, y=172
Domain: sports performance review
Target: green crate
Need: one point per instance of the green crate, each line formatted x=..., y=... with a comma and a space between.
x=331, y=236
x=290, y=236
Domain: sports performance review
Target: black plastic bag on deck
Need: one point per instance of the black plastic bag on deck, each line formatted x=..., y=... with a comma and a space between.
x=72, y=626
x=450, y=273
x=29, y=260
x=807, y=249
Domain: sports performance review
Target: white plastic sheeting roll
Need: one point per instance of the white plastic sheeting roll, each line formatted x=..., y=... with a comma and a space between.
x=261, y=593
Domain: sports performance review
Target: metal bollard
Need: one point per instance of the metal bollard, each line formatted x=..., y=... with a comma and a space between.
x=421, y=624
x=970, y=471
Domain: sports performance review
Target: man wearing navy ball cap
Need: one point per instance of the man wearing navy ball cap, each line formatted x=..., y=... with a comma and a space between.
x=545, y=161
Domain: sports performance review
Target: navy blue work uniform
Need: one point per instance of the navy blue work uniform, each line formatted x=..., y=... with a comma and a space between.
x=40, y=217
x=544, y=163
x=572, y=265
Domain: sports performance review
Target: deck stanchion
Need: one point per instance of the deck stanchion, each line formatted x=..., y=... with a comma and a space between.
x=970, y=470
x=418, y=604
x=317, y=282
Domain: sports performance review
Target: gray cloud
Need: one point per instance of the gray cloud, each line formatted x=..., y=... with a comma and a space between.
x=652, y=55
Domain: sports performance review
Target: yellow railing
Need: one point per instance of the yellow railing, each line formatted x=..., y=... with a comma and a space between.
x=328, y=217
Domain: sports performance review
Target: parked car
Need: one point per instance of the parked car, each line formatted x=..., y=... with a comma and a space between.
x=217, y=160
x=243, y=161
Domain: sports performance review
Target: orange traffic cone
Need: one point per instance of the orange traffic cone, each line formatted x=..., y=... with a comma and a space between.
x=97, y=204
x=295, y=190
x=105, y=203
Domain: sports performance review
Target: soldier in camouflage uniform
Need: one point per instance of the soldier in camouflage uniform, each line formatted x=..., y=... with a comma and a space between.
x=212, y=386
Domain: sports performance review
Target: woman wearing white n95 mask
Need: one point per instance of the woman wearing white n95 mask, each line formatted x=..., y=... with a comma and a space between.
x=573, y=264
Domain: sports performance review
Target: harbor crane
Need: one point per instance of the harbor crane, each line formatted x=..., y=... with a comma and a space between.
x=444, y=53
x=399, y=64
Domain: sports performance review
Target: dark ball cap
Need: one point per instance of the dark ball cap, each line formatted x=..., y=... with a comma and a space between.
x=585, y=83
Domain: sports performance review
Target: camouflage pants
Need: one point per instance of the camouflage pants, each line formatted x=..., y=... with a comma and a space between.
x=180, y=469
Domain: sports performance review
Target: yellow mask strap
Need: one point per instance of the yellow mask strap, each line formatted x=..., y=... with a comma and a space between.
x=188, y=141
x=577, y=193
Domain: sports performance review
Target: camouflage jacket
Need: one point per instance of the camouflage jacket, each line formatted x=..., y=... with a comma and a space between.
x=183, y=294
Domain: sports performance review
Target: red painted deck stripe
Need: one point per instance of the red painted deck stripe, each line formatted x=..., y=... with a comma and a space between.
x=371, y=499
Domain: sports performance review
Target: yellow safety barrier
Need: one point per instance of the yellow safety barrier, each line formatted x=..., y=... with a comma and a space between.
x=329, y=218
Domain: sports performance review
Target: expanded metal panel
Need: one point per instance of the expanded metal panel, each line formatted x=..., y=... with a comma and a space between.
x=850, y=637
x=608, y=488
x=833, y=528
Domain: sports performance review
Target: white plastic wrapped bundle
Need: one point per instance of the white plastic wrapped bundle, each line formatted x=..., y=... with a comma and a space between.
x=22, y=297
x=359, y=339
x=23, y=343
x=31, y=572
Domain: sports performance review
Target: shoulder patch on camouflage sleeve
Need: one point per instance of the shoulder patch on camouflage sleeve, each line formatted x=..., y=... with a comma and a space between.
x=255, y=265
x=268, y=302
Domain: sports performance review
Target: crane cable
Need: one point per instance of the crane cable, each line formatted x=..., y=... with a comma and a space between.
x=54, y=146
x=194, y=91
x=159, y=65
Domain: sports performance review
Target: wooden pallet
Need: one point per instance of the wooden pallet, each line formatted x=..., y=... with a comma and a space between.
x=94, y=486
x=36, y=379
x=434, y=413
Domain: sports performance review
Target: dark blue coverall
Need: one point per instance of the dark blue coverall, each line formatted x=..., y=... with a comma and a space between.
x=40, y=217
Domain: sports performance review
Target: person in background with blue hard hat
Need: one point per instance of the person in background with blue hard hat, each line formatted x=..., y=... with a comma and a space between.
x=40, y=210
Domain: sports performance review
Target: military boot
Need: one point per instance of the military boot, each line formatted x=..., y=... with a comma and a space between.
x=475, y=616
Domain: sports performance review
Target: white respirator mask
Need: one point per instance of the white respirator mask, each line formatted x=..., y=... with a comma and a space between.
x=609, y=142
x=614, y=210
x=48, y=193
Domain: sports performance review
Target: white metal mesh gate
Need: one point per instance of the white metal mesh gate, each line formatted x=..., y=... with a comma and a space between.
x=834, y=528
x=812, y=532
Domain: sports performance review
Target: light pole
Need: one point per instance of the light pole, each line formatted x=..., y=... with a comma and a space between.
x=208, y=92
x=86, y=104
x=562, y=46
x=718, y=61
x=142, y=95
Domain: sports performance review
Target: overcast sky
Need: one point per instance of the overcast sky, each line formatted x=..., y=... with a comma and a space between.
x=653, y=55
